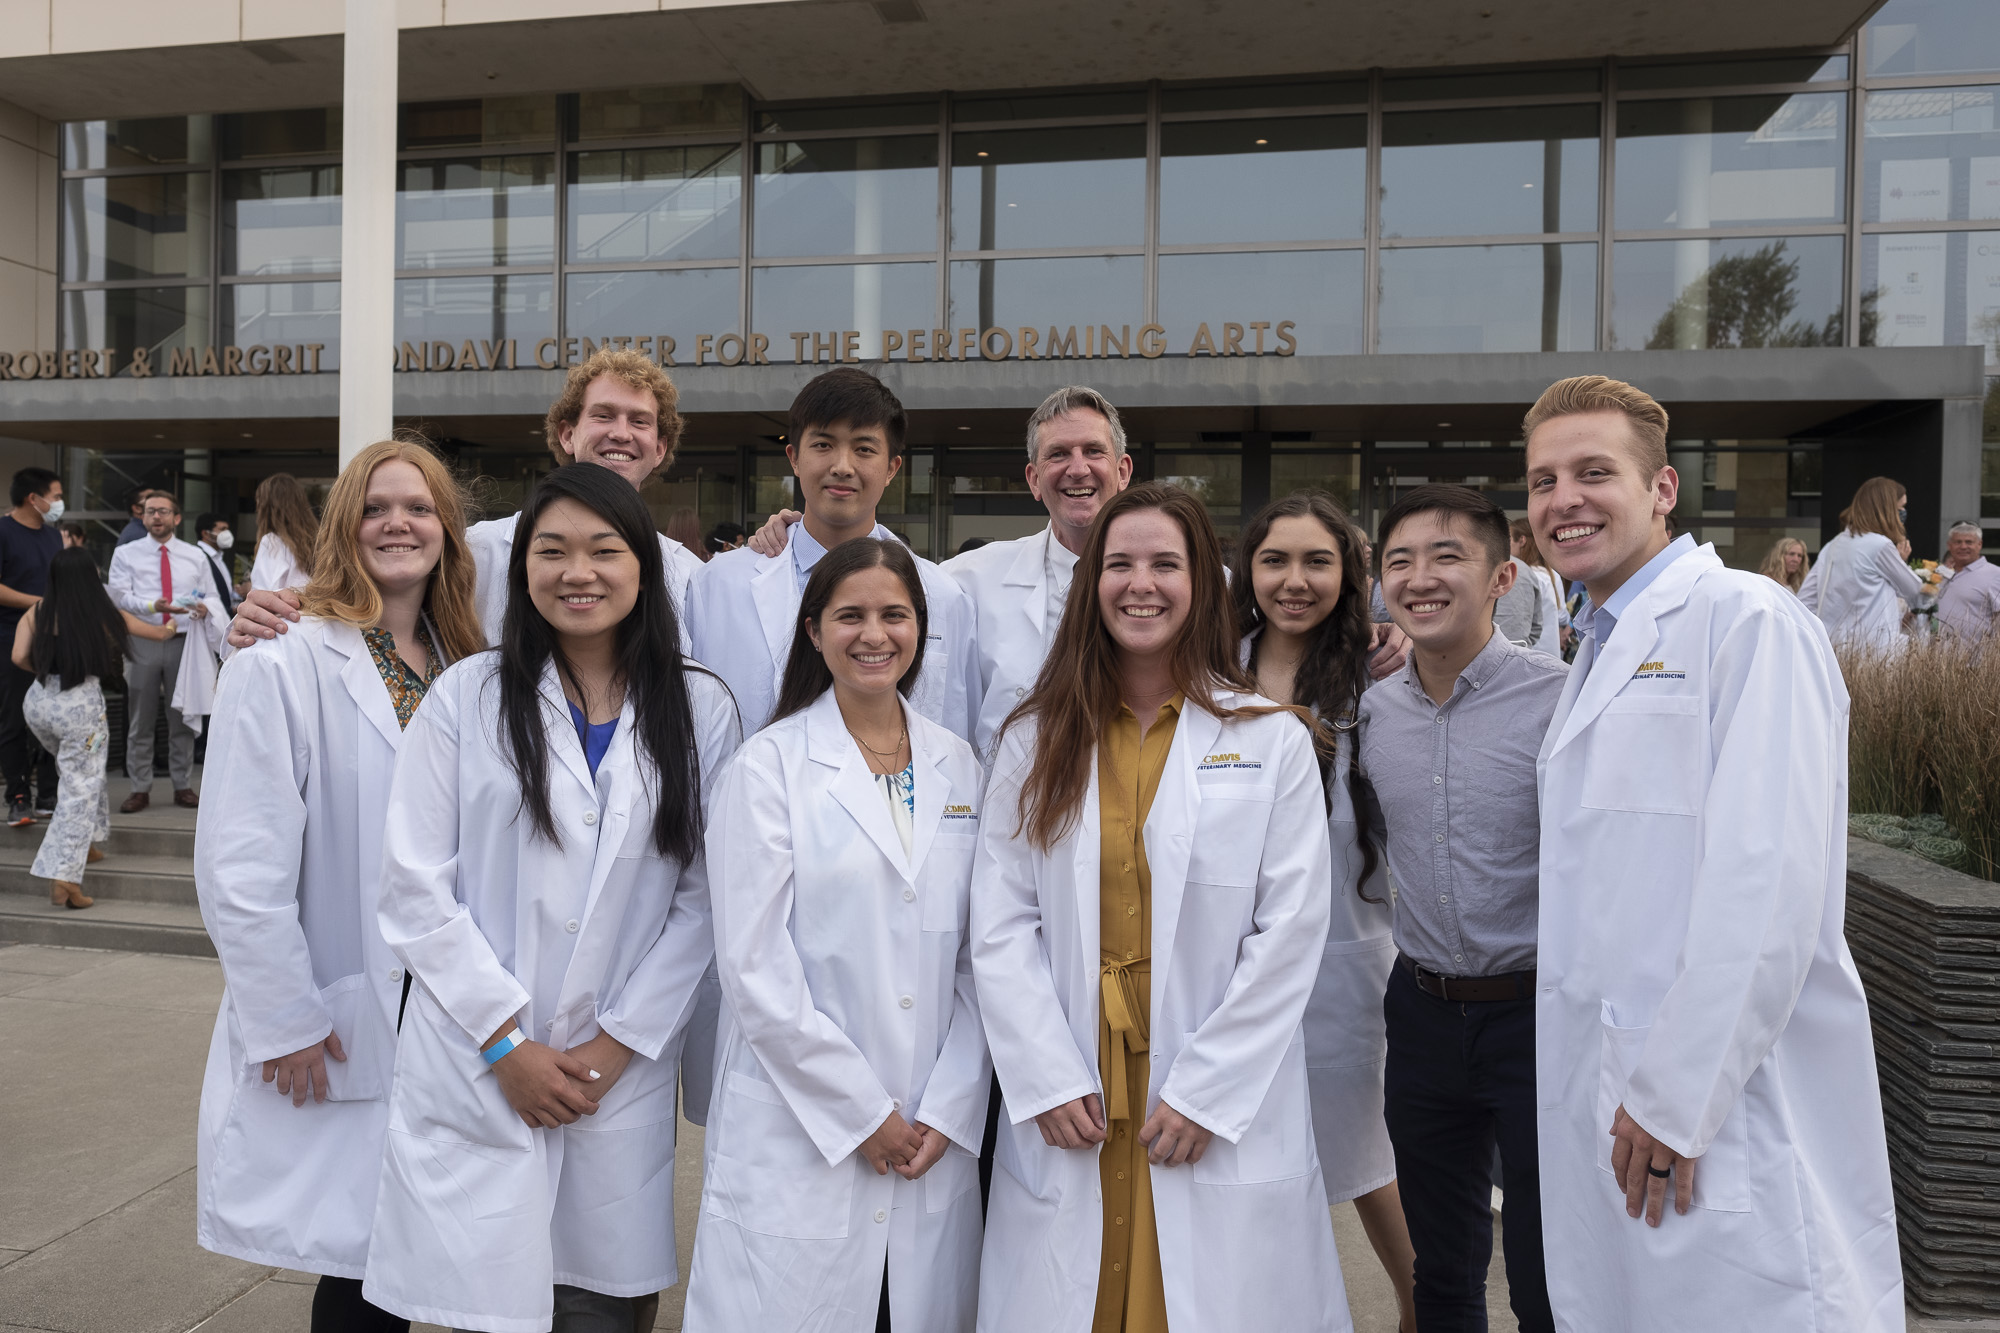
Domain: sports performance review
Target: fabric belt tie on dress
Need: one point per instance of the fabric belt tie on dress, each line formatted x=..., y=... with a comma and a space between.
x=1123, y=1031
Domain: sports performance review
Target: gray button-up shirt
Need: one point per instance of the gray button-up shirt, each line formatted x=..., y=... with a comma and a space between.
x=1456, y=785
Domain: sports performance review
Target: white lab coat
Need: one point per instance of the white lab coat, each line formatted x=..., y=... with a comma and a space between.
x=1860, y=587
x=202, y=649
x=275, y=568
x=478, y=1215
x=1008, y=585
x=847, y=980
x=1693, y=968
x=1236, y=840
x=492, y=544
x=287, y=859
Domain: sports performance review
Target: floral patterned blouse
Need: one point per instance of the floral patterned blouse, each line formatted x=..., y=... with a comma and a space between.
x=406, y=687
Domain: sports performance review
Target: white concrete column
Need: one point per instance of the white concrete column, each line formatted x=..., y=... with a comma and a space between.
x=368, y=227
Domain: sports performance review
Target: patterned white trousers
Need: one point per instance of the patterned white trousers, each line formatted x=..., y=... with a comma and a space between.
x=71, y=725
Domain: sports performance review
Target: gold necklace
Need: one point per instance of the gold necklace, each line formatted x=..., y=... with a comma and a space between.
x=887, y=756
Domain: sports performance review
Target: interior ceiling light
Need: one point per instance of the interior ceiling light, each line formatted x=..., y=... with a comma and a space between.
x=965, y=428
x=1261, y=141
x=1444, y=425
x=982, y=152
x=247, y=435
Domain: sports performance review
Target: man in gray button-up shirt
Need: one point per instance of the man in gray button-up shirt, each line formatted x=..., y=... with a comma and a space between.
x=1448, y=745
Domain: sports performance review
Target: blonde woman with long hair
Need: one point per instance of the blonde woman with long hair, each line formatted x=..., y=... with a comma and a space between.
x=1787, y=563
x=302, y=746
x=1863, y=583
x=287, y=534
x=1548, y=588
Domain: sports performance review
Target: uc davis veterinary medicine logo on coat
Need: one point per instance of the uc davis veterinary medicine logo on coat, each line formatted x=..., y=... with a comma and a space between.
x=1657, y=671
x=1211, y=762
x=961, y=812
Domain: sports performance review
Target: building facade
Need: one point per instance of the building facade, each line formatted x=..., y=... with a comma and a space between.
x=1289, y=277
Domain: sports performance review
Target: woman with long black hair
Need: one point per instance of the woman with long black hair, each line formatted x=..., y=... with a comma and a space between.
x=544, y=883
x=74, y=641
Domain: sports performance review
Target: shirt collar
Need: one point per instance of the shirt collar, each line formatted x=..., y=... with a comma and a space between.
x=807, y=552
x=1604, y=619
x=1058, y=559
x=1477, y=672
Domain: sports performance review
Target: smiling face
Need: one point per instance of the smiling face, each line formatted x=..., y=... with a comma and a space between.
x=1296, y=574
x=1145, y=589
x=1598, y=514
x=582, y=576
x=401, y=536
x=161, y=516
x=1076, y=468
x=1962, y=549
x=842, y=472
x=868, y=632
x=1440, y=582
x=618, y=427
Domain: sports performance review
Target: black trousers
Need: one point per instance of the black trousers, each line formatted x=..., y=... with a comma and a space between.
x=21, y=755
x=1461, y=1079
x=338, y=1307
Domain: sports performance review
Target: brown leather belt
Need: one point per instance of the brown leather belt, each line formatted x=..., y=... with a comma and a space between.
x=1504, y=986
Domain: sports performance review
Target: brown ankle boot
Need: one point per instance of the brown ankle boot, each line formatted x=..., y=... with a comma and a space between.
x=73, y=896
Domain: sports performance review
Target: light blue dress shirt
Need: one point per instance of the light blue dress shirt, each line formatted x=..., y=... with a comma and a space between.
x=1603, y=620
x=807, y=552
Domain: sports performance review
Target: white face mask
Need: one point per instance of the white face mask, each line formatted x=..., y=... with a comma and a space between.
x=54, y=513
x=223, y=540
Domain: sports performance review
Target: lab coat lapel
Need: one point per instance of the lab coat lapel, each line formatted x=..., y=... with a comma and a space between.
x=363, y=680
x=1169, y=832
x=775, y=593
x=1633, y=640
x=1086, y=846
x=618, y=770
x=933, y=789
x=563, y=744
x=1030, y=573
x=829, y=744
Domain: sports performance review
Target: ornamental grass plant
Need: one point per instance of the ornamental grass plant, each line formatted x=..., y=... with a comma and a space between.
x=1924, y=748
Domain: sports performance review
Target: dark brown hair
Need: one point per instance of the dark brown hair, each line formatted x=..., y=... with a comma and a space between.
x=807, y=676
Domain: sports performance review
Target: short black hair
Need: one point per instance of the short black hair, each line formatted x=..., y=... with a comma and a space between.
x=1487, y=519
x=32, y=481
x=845, y=394
x=207, y=521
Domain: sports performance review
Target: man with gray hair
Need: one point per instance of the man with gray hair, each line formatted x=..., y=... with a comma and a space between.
x=1969, y=603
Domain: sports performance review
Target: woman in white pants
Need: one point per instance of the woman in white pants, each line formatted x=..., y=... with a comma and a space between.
x=74, y=640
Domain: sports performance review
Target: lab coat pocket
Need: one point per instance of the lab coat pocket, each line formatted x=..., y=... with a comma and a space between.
x=767, y=1174
x=445, y=1091
x=1228, y=846
x=1645, y=755
x=951, y=1177
x=358, y=1078
x=1721, y=1180
x=1278, y=1145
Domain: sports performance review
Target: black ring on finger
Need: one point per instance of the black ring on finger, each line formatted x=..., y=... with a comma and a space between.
x=1659, y=1173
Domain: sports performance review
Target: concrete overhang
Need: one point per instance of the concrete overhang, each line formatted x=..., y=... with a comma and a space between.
x=784, y=49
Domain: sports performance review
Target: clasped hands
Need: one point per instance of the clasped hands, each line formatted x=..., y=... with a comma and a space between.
x=908, y=1150
x=1171, y=1138
x=547, y=1087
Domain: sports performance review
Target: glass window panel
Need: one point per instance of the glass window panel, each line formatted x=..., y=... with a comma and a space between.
x=655, y=203
x=1932, y=289
x=1320, y=291
x=1214, y=479
x=281, y=133
x=1732, y=161
x=1338, y=475
x=157, y=318
x=284, y=312
x=1489, y=298
x=682, y=304
x=847, y=196
x=1472, y=173
x=631, y=113
x=800, y=119
x=478, y=121
x=822, y=300
x=1716, y=73
x=1298, y=179
x=1048, y=106
x=1506, y=83
x=1256, y=96
x=1934, y=37
x=455, y=309
x=281, y=220
x=135, y=227
x=476, y=212
x=1931, y=155
x=1023, y=189
x=1045, y=294
x=1762, y=292
x=162, y=141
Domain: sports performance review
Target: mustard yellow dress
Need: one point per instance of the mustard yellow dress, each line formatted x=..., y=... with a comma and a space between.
x=1131, y=1296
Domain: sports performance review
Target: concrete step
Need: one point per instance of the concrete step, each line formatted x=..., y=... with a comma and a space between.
x=128, y=878
x=132, y=927
x=125, y=840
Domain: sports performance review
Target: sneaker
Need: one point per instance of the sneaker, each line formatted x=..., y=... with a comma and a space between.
x=18, y=814
x=45, y=813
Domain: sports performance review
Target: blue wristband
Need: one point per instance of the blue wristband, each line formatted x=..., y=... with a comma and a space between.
x=500, y=1048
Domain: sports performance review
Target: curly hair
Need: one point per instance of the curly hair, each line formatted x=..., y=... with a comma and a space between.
x=633, y=369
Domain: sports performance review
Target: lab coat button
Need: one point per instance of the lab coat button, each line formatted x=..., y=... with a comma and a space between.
x=590, y=816
x=907, y=1001
x=896, y=1102
x=571, y=925
x=549, y=1026
x=909, y=895
x=395, y=974
x=1020, y=692
x=881, y=1214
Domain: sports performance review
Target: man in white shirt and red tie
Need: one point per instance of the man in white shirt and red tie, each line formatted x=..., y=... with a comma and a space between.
x=166, y=577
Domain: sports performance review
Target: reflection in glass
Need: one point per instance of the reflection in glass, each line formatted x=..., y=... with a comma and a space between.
x=487, y=309
x=847, y=196
x=476, y=212
x=284, y=312
x=1489, y=298
x=1762, y=292
x=1256, y=96
x=632, y=113
x=1320, y=291
x=1719, y=73
x=1050, y=294
x=1489, y=172
x=822, y=300
x=681, y=303
x=1731, y=161
x=280, y=133
x=1048, y=106
x=164, y=141
x=1932, y=155
x=1934, y=37
x=157, y=318
x=1506, y=83
x=281, y=220
x=1338, y=475
x=135, y=227
x=655, y=203
x=478, y=122
x=864, y=116
x=1932, y=289
x=1026, y=189
x=1297, y=179
x=1214, y=479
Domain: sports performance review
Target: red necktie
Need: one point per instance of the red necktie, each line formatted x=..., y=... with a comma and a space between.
x=166, y=584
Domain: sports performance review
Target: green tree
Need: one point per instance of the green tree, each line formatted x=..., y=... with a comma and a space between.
x=1747, y=300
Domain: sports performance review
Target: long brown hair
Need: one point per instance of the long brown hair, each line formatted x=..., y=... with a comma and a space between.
x=1078, y=691
x=1874, y=508
x=1774, y=563
x=807, y=676
x=341, y=588
x=284, y=509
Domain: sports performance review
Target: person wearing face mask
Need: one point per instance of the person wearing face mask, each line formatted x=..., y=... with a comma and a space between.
x=213, y=539
x=29, y=540
x=304, y=741
x=843, y=1184
x=1862, y=583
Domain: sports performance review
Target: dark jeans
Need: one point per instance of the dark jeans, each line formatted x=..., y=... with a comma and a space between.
x=1461, y=1078
x=338, y=1307
x=21, y=756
